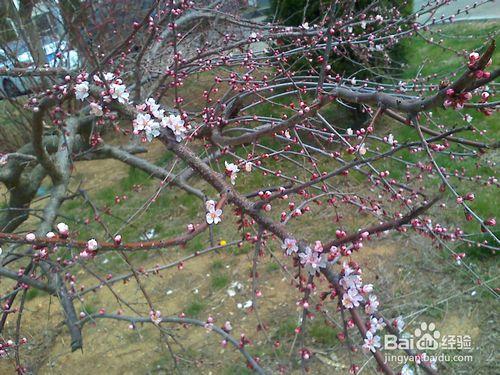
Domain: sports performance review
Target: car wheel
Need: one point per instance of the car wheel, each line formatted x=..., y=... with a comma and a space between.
x=10, y=89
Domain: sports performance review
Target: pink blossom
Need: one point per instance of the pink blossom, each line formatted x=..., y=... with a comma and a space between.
x=371, y=342
x=371, y=305
x=290, y=246
x=155, y=316
x=351, y=298
x=312, y=261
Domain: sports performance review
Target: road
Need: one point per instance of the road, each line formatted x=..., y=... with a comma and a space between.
x=490, y=10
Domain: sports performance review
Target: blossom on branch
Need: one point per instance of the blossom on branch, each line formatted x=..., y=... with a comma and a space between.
x=82, y=90
x=213, y=216
x=232, y=170
x=290, y=246
x=312, y=261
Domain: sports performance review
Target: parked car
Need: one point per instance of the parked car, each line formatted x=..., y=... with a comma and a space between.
x=16, y=54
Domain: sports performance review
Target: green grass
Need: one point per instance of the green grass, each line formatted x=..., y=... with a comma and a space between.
x=286, y=328
x=322, y=333
x=219, y=281
x=33, y=293
x=238, y=369
x=217, y=265
x=194, y=309
x=272, y=267
x=426, y=59
x=88, y=308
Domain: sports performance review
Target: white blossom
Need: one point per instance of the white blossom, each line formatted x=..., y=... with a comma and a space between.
x=109, y=76
x=351, y=281
x=62, y=228
x=399, y=323
x=155, y=316
x=213, y=216
x=248, y=166
x=176, y=124
x=92, y=245
x=376, y=324
x=154, y=108
x=232, y=170
x=119, y=93
x=144, y=122
x=210, y=205
x=82, y=90
x=3, y=159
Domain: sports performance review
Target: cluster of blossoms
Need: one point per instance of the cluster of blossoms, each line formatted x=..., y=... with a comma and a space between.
x=311, y=259
x=474, y=58
x=354, y=295
x=7, y=345
x=456, y=100
x=113, y=89
x=151, y=118
x=213, y=213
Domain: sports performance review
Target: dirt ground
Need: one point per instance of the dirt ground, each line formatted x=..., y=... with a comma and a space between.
x=410, y=275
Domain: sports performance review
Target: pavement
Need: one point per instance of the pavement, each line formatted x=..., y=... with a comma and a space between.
x=488, y=10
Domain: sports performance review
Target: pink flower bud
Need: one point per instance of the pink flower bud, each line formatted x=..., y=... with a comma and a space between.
x=473, y=57
x=491, y=222
x=470, y=196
